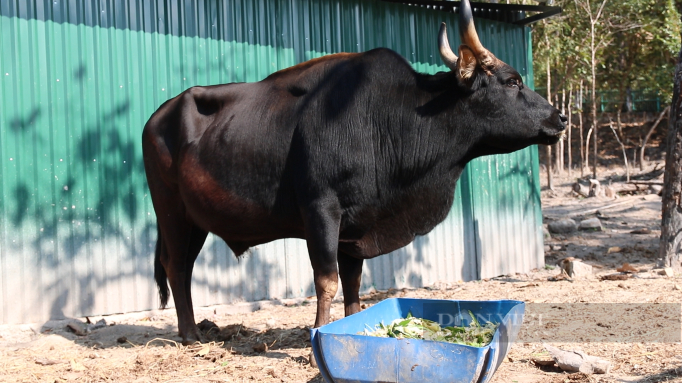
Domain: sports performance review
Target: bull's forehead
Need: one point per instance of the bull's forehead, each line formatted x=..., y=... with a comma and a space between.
x=504, y=70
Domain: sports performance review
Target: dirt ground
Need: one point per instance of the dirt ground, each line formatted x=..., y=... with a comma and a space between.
x=272, y=343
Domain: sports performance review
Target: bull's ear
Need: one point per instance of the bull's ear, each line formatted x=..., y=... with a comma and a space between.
x=466, y=65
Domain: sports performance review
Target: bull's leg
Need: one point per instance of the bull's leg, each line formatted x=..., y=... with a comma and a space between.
x=183, y=241
x=350, y=271
x=322, y=237
x=196, y=243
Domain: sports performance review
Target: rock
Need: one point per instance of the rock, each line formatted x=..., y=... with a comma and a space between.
x=270, y=323
x=578, y=361
x=96, y=326
x=590, y=224
x=595, y=189
x=655, y=189
x=562, y=226
x=614, y=249
x=122, y=339
x=581, y=189
x=575, y=268
x=668, y=272
x=261, y=347
x=79, y=328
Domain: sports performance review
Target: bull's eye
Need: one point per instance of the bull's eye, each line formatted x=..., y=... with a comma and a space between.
x=513, y=82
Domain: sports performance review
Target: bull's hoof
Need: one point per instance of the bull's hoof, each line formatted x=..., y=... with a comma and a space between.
x=312, y=360
x=191, y=337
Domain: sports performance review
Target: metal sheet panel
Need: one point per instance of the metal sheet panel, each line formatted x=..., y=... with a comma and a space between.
x=78, y=80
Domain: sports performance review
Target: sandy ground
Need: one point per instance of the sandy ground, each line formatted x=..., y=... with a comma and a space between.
x=634, y=324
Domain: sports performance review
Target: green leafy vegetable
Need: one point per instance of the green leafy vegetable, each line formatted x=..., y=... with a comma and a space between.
x=475, y=334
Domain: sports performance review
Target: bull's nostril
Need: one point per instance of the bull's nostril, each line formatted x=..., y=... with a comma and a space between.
x=563, y=118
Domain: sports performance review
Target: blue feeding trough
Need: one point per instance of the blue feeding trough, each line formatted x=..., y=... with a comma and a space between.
x=344, y=356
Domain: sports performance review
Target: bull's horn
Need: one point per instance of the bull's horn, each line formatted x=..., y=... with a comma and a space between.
x=467, y=31
x=446, y=54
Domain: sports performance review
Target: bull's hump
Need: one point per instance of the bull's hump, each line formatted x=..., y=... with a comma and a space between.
x=306, y=65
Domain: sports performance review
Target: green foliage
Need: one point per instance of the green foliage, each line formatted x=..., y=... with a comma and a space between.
x=636, y=46
x=475, y=334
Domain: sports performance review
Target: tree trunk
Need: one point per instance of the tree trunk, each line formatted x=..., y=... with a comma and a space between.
x=550, y=181
x=568, y=139
x=587, y=149
x=580, y=131
x=622, y=147
x=595, y=124
x=671, y=225
x=558, y=147
x=648, y=135
x=561, y=142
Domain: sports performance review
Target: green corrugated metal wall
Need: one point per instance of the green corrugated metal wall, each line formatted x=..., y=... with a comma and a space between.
x=78, y=80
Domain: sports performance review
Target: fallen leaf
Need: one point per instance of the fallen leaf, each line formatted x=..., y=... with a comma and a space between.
x=75, y=366
x=560, y=277
x=47, y=362
x=641, y=231
x=614, y=277
x=627, y=268
x=204, y=350
x=614, y=249
x=542, y=362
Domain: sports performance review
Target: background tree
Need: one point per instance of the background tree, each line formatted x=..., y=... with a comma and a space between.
x=635, y=45
x=670, y=250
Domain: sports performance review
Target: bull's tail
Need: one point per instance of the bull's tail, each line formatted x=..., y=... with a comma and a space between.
x=159, y=272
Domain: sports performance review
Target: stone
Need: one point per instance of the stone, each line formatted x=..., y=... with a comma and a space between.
x=581, y=189
x=578, y=361
x=595, y=189
x=655, y=189
x=668, y=272
x=590, y=224
x=562, y=226
x=77, y=327
x=576, y=269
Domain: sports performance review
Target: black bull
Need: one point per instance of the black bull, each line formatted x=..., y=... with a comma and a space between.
x=355, y=152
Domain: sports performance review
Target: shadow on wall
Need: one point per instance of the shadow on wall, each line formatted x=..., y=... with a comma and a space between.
x=80, y=228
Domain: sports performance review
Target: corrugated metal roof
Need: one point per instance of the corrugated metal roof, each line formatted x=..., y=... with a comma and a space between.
x=509, y=13
x=78, y=80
